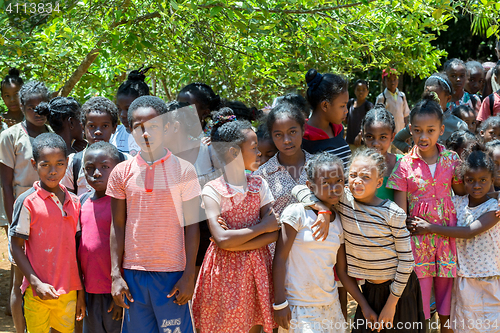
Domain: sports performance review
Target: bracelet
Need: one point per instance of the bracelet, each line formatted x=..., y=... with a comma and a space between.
x=325, y=212
x=280, y=306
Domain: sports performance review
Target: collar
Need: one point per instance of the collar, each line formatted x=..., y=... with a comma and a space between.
x=44, y=194
x=142, y=162
x=396, y=93
x=313, y=133
x=273, y=165
x=413, y=152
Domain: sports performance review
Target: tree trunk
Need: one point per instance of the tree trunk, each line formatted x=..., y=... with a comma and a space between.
x=80, y=71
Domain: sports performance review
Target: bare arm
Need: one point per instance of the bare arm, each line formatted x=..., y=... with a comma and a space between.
x=400, y=139
x=459, y=189
x=257, y=242
x=7, y=176
x=400, y=200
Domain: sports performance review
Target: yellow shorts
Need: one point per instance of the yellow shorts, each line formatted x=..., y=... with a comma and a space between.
x=41, y=315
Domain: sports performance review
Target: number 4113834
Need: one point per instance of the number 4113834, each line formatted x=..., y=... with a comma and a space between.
x=32, y=8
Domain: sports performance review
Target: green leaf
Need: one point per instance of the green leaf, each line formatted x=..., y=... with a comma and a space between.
x=491, y=31
x=174, y=5
x=214, y=11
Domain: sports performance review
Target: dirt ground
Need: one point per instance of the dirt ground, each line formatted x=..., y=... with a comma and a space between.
x=6, y=324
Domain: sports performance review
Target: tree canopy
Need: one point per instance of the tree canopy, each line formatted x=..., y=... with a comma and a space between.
x=250, y=50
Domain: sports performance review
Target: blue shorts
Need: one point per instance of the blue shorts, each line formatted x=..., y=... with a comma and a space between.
x=151, y=311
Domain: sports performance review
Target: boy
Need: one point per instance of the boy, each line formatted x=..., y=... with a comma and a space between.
x=357, y=109
x=154, y=234
x=43, y=230
x=393, y=99
x=103, y=316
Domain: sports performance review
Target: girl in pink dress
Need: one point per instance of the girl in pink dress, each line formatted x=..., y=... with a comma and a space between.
x=423, y=180
x=234, y=289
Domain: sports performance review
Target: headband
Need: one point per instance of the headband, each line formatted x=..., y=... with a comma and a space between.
x=224, y=119
x=314, y=82
x=442, y=80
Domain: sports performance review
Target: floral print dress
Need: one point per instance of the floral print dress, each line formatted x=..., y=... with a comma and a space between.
x=234, y=291
x=430, y=199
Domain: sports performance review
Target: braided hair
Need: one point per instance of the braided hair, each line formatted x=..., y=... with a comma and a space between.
x=428, y=105
x=227, y=131
x=379, y=114
x=135, y=84
x=33, y=88
x=324, y=87
x=58, y=110
x=374, y=156
x=318, y=161
x=476, y=156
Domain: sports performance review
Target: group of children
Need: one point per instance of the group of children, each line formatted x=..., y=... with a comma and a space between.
x=190, y=218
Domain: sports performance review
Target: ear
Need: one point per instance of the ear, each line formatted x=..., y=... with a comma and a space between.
x=33, y=163
x=166, y=127
x=114, y=129
x=409, y=127
x=233, y=152
x=380, y=182
x=442, y=130
x=324, y=106
x=177, y=127
x=481, y=132
x=311, y=186
x=71, y=123
x=448, y=99
x=393, y=136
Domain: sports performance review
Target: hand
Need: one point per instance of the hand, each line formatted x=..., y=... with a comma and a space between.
x=119, y=288
x=117, y=311
x=46, y=291
x=271, y=221
x=386, y=317
x=358, y=140
x=497, y=213
x=419, y=226
x=283, y=317
x=222, y=223
x=9, y=122
x=321, y=227
x=206, y=140
x=370, y=316
x=80, y=305
x=183, y=290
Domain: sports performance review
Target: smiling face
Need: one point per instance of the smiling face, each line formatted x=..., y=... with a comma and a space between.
x=148, y=130
x=425, y=130
x=364, y=179
x=391, y=82
x=99, y=127
x=490, y=134
x=287, y=135
x=336, y=109
x=250, y=150
x=10, y=96
x=123, y=103
x=29, y=111
x=379, y=136
x=457, y=75
x=98, y=166
x=51, y=167
x=477, y=183
x=475, y=82
x=328, y=184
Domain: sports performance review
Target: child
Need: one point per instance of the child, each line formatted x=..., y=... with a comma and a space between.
x=475, y=77
x=309, y=309
x=234, y=289
x=490, y=129
x=328, y=96
x=9, y=87
x=17, y=173
x=460, y=141
x=158, y=283
x=266, y=144
x=44, y=226
x=99, y=118
x=465, y=113
x=103, y=315
x=493, y=148
x=378, y=132
x=63, y=114
x=128, y=91
x=205, y=100
x=423, y=181
x=491, y=104
x=456, y=71
x=393, y=99
x=378, y=249
x=358, y=107
x=440, y=86
x=475, y=305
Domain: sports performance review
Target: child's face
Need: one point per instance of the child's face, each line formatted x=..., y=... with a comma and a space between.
x=391, y=82
x=51, y=167
x=425, y=130
x=475, y=80
x=444, y=97
x=490, y=134
x=29, y=111
x=287, y=135
x=203, y=111
x=10, y=97
x=379, y=136
x=361, y=92
x=496, y=159
x=364, y=179
x=98, y=166
x=99, y=127
x=478, y=182
x=250, y=151
x=148, y=129
x=123, y=103
x=328, y=184
x=267, y=149
x=336, y=109
x=457, y=76
x=470, y=118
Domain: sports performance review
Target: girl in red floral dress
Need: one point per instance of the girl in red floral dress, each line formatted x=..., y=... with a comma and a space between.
x=234, y=289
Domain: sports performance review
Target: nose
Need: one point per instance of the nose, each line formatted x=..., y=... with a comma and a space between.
x=259, y=153
x=98, y=131
x=97, y=173
x=287, y=138
x=53, y=170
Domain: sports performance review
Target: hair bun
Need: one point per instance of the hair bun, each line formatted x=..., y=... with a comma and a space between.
x=430, y=96
x=136, y=76
x=313, y=79
x=43, y=109
x=14, y=72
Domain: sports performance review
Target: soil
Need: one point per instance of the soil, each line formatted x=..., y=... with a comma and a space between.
x=6, y=324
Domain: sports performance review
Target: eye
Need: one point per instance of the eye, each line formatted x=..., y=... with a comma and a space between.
x=293, y=131
x=105, y=167
x=90, y=126
x=277, y=135
x=383, y=137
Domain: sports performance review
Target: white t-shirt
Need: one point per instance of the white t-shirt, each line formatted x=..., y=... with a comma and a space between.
x=309, y=279
x=124, y=141
x=432, y=168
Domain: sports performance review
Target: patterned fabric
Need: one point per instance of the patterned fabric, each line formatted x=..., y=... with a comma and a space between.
x=316, y=319
x=234, y=291
x=466, y=100
x=478, y=256
x=430, y=198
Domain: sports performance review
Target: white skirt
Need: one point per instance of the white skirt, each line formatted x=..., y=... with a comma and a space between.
x=316, y=319
x=475, y=305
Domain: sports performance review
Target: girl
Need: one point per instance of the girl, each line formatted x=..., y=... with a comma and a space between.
x=63, y=114
x=310, y=308
x=465, y=113
x=457, y=73
x=328, y=96
x=490, y=129
x=493, y=148
x=128, y=91
x=358, y=107
x=205, y=100
x=9, y=88
x=475, y=77
x=17, y=173
x=234, y=288
x=440, y=86
x=421, y=181
x=378, y=249
x=378, y=132
x=266, y=144
x=460, y=141
x=478, y=247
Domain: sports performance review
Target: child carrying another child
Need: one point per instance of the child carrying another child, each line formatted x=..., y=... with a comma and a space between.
x=103, y=315
x=43, y=238
x=154, y=235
